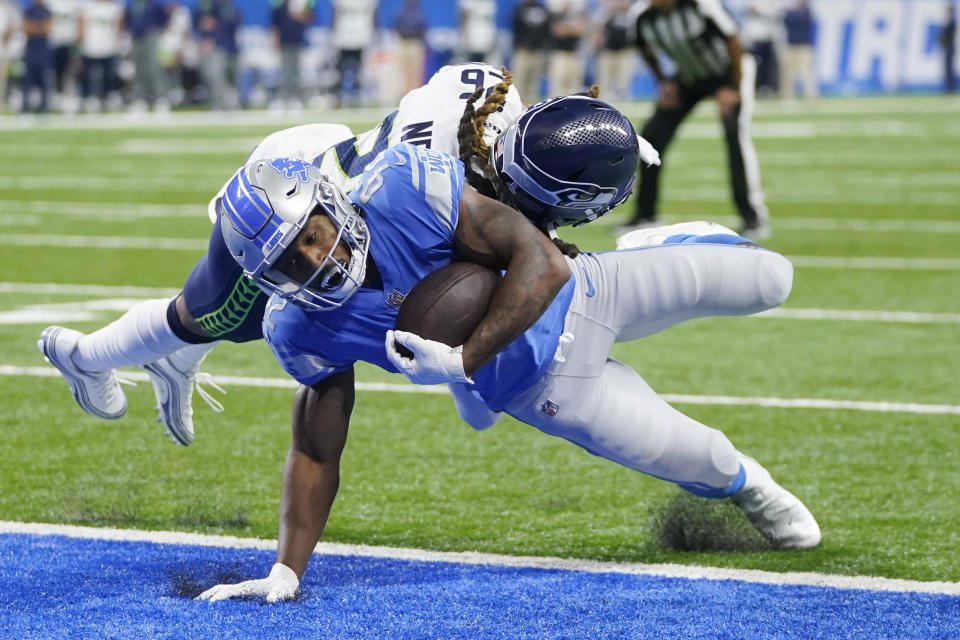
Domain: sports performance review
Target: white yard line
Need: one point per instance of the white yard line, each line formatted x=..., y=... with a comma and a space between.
x=789, y=313
x=869, y=583
x=853, y=315
x=871, y=263
x=906, y=106
x=386, y=387
x=85, y=289
x=13, y=210
x=103, y=242
x=825, y=194
x=193, y=244
x=107, y=210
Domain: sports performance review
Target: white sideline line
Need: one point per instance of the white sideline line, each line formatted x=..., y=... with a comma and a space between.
x=781, y=403
x=869, y=583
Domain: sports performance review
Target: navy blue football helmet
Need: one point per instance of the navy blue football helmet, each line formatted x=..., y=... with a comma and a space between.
x=568, y=160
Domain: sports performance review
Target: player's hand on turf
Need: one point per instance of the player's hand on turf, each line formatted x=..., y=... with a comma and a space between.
x=281, y=584
x=432, y=362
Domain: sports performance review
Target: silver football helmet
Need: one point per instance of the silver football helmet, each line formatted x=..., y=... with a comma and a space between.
x=267, y=204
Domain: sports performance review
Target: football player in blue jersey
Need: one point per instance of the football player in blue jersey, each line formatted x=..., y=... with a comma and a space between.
x=169, y=338
x=337, y=265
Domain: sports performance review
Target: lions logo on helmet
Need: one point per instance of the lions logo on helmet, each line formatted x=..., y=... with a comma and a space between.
x=568, y=160
x=265, y=206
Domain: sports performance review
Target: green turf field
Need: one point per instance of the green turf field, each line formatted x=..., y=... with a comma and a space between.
x=865, y=197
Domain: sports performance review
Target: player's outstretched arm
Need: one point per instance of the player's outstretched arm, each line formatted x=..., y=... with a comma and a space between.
x=493, y=234
x=311, y=476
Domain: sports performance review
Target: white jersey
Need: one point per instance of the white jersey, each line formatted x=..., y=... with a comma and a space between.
x=65, y=29
x=101, y=28
x=353, y=26
x=428, y=116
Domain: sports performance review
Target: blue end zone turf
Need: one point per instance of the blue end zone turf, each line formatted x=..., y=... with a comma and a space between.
x=59, y=587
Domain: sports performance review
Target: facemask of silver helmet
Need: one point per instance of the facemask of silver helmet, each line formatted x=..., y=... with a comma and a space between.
x=267, y=204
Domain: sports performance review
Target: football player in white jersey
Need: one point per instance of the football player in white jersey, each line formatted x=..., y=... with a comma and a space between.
x=338, y=265
x=462, y=111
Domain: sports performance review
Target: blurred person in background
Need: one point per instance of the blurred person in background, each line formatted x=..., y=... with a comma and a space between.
x=948, y=40
x=700, y=36
x=759, y=34
x=354, y=29
x=176, y=51
x=9, y=25
x=798, y=54
x=216, y=23
x=410, y=25
x=568, y=25
x=478, y=29
x=37, y=55
x=101, y=30
x=615, y=64
x=63, y=38
x=531, y=38
x=289, y=20
x=145, y=20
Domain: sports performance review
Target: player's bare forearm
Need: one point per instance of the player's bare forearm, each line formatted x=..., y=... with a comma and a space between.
x=311, y=476
x=735, y=51
x=493, y=234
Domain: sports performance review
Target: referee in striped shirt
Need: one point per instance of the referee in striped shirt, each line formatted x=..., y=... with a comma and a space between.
x=700, y=37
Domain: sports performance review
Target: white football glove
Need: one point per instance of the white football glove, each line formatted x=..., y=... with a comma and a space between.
x=281, y=584
x=432, y=362
x=647, y=153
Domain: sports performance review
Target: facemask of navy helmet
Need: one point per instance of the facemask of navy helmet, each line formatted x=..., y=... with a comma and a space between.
x=266, y=205
x=567, y=161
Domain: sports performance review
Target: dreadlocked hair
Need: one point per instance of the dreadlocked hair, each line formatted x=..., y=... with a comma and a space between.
x=471, y=145
x=592, y=92
x=470, y=133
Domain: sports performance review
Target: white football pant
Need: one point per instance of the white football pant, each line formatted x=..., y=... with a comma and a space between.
x=603, y=405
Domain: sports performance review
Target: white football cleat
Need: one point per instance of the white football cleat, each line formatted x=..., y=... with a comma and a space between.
x=656, y=235
x=174, y=390
x=775, y=512
x=97, y=392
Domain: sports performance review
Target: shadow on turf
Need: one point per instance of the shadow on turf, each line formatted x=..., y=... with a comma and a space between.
x=186, y=585
x=688, y=523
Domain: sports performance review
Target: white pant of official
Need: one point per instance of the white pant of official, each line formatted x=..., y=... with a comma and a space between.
x=603, y=405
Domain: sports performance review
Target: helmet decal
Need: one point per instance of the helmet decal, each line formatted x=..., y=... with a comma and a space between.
x=291, y=168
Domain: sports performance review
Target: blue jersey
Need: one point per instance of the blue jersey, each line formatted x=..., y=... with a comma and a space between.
x=410, y=196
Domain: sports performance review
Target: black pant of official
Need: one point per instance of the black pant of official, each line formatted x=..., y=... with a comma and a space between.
x=659, y=131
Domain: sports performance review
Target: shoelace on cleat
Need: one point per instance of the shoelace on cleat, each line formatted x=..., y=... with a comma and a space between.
x=212, y=402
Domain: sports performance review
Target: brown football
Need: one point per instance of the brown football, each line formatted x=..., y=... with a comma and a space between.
x=448, y=304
